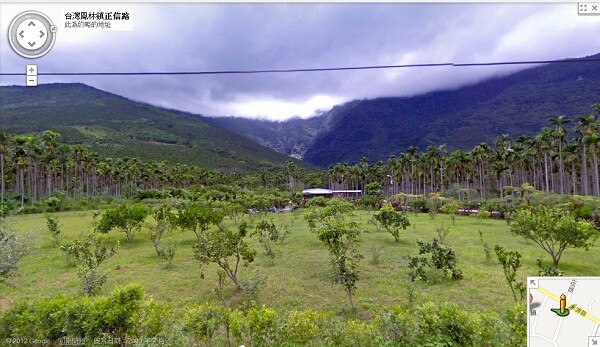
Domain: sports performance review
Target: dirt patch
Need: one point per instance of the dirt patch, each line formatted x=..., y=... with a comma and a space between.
x=5, y=305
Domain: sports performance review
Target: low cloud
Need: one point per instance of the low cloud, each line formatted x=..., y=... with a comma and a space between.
x=211, y=37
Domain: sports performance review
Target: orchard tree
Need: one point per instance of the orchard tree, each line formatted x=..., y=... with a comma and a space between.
x=54, y=227
x=12, y=248
x=227, y=249
x=164, y=221
x=198, y=217
x=126, y=218
x=89, y=254
x=391, y=220
x=332, y=226
x=267, y=234
x=511, y=262
x=333, y=209
x=442, y=258
x=553, y=230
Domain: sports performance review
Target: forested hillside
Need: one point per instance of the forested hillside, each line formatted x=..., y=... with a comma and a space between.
x=114, y=126
x=516, y=104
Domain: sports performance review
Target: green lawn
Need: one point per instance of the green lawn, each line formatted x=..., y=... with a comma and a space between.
x=299, y=279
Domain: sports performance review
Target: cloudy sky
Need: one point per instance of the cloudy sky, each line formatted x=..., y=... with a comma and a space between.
x=211, y=37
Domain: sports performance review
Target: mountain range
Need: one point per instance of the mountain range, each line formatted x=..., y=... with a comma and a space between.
x=112, y=125
x=115, y=126
x=516, y=104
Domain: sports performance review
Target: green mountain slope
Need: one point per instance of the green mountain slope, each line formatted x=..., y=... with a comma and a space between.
x=115, y=126
x=516, y=104
x=291, y=137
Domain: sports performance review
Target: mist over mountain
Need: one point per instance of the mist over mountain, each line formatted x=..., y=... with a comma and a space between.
x=291, y=137
x=516, y=104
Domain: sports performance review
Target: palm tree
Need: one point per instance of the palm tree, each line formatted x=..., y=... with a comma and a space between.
x=559, y=133
x=585, y=125
x=431, y=161
x=593, y=142
x=572, y=158
x=412, y=157
x=393, y=164
x=4, y=141
x=544, y=141
x=479, y=153
x=442, y=153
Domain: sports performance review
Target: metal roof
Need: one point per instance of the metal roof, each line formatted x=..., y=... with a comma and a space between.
x=317, y=191
x=323, y=191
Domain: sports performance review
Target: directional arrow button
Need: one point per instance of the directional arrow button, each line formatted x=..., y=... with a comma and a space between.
x=31, y=23
x=21, y=34
x=41, y=34
x=31, y=44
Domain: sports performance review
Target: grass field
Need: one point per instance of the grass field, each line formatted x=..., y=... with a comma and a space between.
x=299, y=279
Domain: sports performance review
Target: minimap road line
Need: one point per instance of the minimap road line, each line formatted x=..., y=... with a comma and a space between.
x=557, y=299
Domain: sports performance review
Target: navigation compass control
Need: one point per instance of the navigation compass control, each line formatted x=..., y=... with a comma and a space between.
x=31, y=34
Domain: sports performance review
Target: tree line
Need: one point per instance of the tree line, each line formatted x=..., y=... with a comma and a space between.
x=34, y=167
x=562, y=158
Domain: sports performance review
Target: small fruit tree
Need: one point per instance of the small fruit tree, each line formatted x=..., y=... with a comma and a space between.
x=391, y=220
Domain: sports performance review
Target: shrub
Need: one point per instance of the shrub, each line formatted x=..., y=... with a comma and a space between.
x=442, y=232
x=420, y=205
x=120, y=315
x=370, y=201
x=54, y=228
x=53, y=204
x=13, y=248
x=399, y=326
x=482, y=214
x=204, y=321
x=303, y=327
x=442, y=258
x=262, y=325
x=359, y=333
x=450, y=325
x=127, y=218
x=391, y=220
x=89, y=254
x=267, y=234
x=451, y=208
x=511, y=262
x=487, y=249
x=319, y=201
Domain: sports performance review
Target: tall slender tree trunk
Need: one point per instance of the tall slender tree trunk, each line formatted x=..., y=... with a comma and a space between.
x=546, y=171
x=480, y=181
x=596, y=174
x=22, y=180
x=561, y=168
x=1, y=177
x=533, y=166
x=584, y=172
x=574, y=177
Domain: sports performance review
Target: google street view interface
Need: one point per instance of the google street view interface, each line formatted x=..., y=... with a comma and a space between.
x=360, y=174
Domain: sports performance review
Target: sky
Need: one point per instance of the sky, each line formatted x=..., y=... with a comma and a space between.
x=216, y=37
